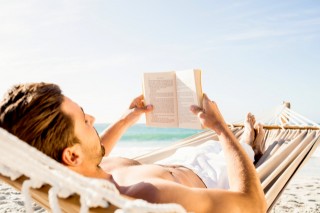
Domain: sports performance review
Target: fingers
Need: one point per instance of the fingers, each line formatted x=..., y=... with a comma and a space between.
x=138, y=102
x=148, y=108
x=196, y=110
x=206, y=100
x=206, y=104
x=145, y=109
x=205, y=97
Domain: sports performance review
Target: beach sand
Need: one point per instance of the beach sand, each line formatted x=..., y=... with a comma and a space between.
x=301, y=195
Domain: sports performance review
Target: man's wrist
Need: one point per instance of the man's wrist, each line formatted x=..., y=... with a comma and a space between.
x=220, y=128
x=128, y=119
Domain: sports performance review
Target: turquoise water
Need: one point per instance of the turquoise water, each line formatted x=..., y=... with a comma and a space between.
x=142, y=139
x=140, y=133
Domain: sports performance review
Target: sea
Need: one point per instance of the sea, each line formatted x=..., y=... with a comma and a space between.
x=140, y=139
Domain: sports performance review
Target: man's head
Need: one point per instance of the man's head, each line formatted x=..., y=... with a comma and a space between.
x=39, y=114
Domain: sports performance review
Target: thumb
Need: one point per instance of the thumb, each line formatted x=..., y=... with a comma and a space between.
x=148, y=108
x=145, y=109
x=195, y=109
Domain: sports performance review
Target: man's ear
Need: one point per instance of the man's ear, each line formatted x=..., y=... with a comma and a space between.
x=72, y=156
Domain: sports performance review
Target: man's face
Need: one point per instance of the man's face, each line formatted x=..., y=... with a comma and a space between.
x=84, y=131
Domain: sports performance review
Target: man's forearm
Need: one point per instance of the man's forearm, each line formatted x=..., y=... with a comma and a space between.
x=112, y=134
x=245, y=188
x=241, y=171
x=240, y=168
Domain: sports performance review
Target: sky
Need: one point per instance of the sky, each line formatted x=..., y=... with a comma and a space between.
x=253, y=54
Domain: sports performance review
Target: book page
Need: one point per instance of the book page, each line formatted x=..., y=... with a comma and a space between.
x=188, y=86
x=160, y=91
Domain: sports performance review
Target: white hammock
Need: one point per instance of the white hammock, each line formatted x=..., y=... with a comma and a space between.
x=18, y=159
x=288, y=146
x=290, y=140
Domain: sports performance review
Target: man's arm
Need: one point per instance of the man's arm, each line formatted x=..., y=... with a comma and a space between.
x=243, y=179
x=245, y=194
x=195, y=199
x=113, y=133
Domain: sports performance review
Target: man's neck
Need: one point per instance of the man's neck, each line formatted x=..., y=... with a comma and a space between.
x=93, y=172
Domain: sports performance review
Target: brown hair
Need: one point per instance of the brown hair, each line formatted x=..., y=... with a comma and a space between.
x=33, y=113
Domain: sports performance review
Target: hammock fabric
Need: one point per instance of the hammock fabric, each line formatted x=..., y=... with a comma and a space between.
x=290, y=140
x=29, y=168
x=289, y=144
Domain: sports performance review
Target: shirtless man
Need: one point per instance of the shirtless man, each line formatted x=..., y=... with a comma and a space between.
x=40, y=115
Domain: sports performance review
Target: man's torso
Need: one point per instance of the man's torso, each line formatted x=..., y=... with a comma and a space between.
x=126, y=172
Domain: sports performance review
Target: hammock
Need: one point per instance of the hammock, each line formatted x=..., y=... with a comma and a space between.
x=290, y=142
x=18, y=161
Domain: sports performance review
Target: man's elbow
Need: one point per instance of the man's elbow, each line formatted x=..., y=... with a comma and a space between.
x=258, y=203
x=263, y=207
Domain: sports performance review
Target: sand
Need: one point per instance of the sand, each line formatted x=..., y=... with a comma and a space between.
x=301, y=195
x=303, y=192
x=12, y=201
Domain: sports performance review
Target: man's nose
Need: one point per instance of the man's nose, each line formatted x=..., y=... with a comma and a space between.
x=91, y=119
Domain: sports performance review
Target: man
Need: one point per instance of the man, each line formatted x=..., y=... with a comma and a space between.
x=40, y=115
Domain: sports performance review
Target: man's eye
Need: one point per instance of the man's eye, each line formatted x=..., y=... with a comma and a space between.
x=86, y=121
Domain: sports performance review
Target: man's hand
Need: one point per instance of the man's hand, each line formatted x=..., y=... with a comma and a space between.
x=136, y=109
x=209, y=115
x=113, y=133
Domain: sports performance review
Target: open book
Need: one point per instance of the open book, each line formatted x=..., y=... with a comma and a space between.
x=172, y=94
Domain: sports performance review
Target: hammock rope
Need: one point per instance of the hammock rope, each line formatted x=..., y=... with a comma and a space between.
x=17, y=158
x=282, y=117
x=288, y=145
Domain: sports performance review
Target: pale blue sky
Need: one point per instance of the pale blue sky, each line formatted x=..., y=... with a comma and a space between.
x=254, y=54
